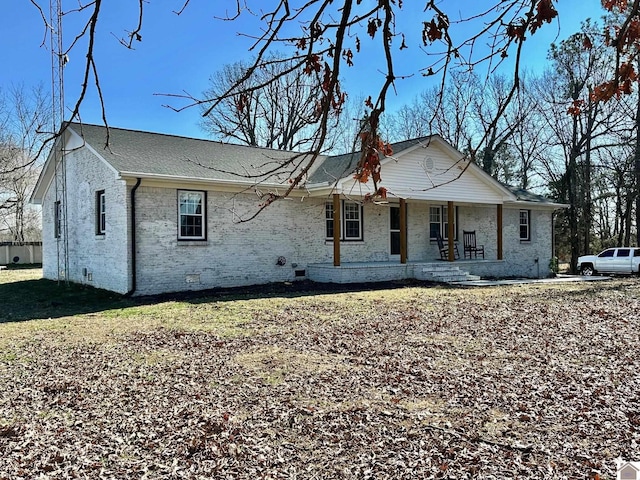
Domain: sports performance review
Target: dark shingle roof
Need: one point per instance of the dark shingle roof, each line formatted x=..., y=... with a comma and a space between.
x=334, y=168
x=145, y=153
x=527, y=196
x=132, y=151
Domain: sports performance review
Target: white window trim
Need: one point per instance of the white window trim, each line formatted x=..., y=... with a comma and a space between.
x=393, y=230
x=101, y=213
x=528, y=224
x=444, y=232
x=57, y=219
x=328, y=217
x=343, y=222
x=203, y=215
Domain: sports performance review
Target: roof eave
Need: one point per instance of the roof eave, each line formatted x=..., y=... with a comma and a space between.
x=209, y=181
x=553, y=205
x=47, y=172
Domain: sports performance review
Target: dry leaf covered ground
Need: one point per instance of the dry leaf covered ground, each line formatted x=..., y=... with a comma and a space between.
x=509, y=382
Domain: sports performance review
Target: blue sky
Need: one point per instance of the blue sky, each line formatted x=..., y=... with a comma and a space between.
x=179, y=53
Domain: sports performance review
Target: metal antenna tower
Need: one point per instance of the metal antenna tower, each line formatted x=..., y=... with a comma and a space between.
x=58, y=60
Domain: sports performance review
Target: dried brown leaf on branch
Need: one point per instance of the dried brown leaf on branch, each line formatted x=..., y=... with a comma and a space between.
x=321, y=38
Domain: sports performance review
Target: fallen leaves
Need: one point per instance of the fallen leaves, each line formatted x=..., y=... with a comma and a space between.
x=414, y=383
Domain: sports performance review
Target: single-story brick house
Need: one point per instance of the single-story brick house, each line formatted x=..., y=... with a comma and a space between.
x=155, y=213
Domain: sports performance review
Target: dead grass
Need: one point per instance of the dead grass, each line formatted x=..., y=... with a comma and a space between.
x=531, y=381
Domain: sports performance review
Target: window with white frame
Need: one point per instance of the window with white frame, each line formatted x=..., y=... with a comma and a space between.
x=525, y=225
x=191, y=215
x=101, y=213
x=394, y=230
x=350, y=221
x=57, y=219
x=329, y=220
x=439, y=222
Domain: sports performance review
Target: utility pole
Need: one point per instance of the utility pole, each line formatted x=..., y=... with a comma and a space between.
x=58, y=60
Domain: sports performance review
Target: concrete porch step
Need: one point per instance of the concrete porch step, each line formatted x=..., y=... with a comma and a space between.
x=444, y=273
x=439, y=267
x=473, y=277
x=447, y=278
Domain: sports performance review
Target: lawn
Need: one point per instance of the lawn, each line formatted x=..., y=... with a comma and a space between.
x=532, y=381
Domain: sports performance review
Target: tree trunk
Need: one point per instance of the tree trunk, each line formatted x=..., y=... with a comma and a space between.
x=572, y=183
x=586, y=186
x=637, y=171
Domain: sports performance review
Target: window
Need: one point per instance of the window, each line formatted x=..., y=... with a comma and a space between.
x=607, y=253
x=439, y=222
x=329, y=217
x=57, y=219
x=191, y=215
x=623, y=252
x=394, y=230
x=525, y=223
x=350, y=221
x=101, y=216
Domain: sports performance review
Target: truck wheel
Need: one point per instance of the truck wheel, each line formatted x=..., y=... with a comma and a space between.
x=587, y=270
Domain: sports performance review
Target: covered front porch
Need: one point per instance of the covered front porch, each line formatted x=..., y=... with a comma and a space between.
x=437, y=235
x=418, y=255
x=435, y=201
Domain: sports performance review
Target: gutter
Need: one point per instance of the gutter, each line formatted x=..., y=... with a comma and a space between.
x=554, y=213
x=200, y=180
x=133, y=237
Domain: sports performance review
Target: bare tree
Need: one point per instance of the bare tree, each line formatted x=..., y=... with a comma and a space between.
x=23, y=114
x=323, y=38
x=496, y=118
x=19, y=221
x=445, y=110
x=527, y=143
x=578, y=126
x=474, y=116
x=281, y=115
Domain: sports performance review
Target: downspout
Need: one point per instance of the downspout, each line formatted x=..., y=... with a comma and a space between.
x=554, y=213
x=133, y=237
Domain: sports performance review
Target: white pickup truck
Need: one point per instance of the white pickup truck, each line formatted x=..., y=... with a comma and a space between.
x=611, y=260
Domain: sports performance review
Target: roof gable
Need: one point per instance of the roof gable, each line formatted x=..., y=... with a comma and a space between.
x=426, y=168
x=337, y=167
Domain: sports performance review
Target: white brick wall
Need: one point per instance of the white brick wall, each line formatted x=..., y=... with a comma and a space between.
x=519, y=256
x=234, y=253
x=237, y=253
x=105, y=257
x=358, y=272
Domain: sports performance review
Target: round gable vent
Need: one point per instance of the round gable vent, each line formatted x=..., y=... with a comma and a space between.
x=428, y=164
